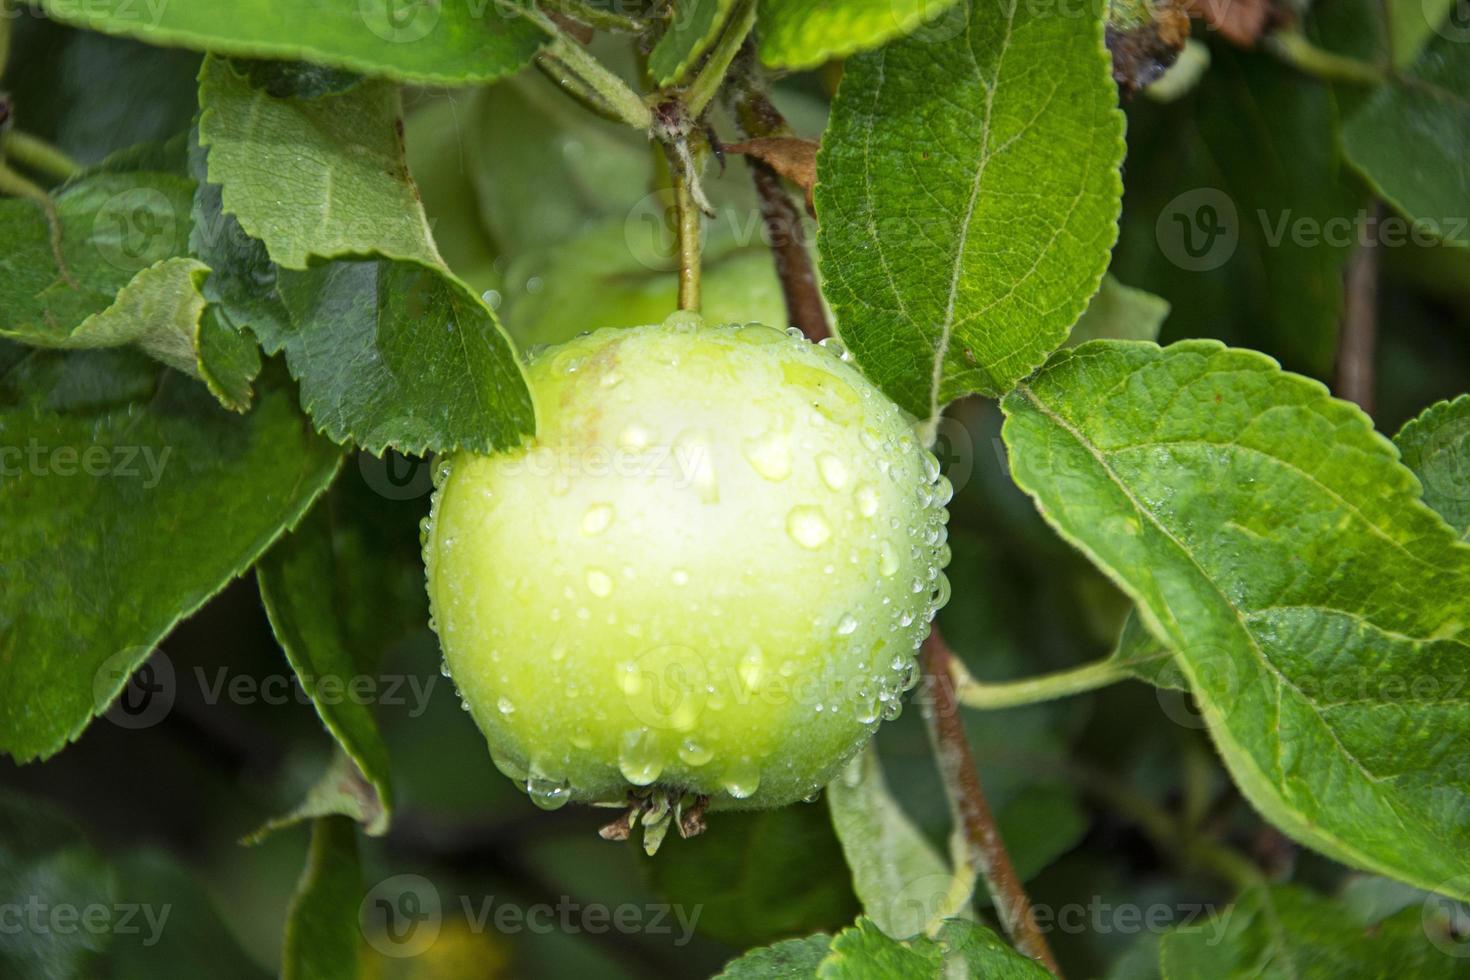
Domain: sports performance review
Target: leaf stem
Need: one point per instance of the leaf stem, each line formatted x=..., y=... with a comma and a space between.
x=37, y=154
x=1034, y=690
x=592, y=16
x=987, y=852
x=758, y=117
x=690, y=220
x=589, y=81
x=1295, y=49
x=702, y=90
x=17, y=185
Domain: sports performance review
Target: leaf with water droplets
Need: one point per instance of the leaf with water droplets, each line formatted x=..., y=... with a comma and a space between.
x=968, y=192
x=390, y=352
x=1318, y=610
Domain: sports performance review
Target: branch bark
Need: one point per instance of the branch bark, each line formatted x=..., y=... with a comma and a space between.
x=985, y=849
x=759, y=119
x=1357, y=343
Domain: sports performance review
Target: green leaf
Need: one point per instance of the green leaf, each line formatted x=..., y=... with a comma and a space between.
x=1319, y=611
x=866, y=953
x=1142, y=654
x=312, y=585
x=900, y=879
x=984, y=954
x=42, y=853
x=1412, y=23
x=193, y=941
x=802, y=34
x=1119, y=312
x=793, y=959
x=1411, y=140
x=321, y=177
x=323, y=940
x=696, y=25
x=390, y=352
x=130, y=498
x=968, y=201
x=113, y=226
x=228, y=360
x=1288, y=932
x=395, y=354
x=961, y=949
x=1436, y=446
x=139, y=918
x=445, y=43
x=242, y=283
x=162, y=311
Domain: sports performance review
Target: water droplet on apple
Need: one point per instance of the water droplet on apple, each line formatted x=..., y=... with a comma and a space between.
x=808, y=527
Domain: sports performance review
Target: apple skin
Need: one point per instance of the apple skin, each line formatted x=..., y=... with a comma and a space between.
x=709, y=572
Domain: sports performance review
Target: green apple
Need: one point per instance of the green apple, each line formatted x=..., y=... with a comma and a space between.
x=708, y=574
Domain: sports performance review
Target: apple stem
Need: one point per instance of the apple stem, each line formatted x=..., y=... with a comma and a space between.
x=690, y=219
x=968, y=806
x=758, y=118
